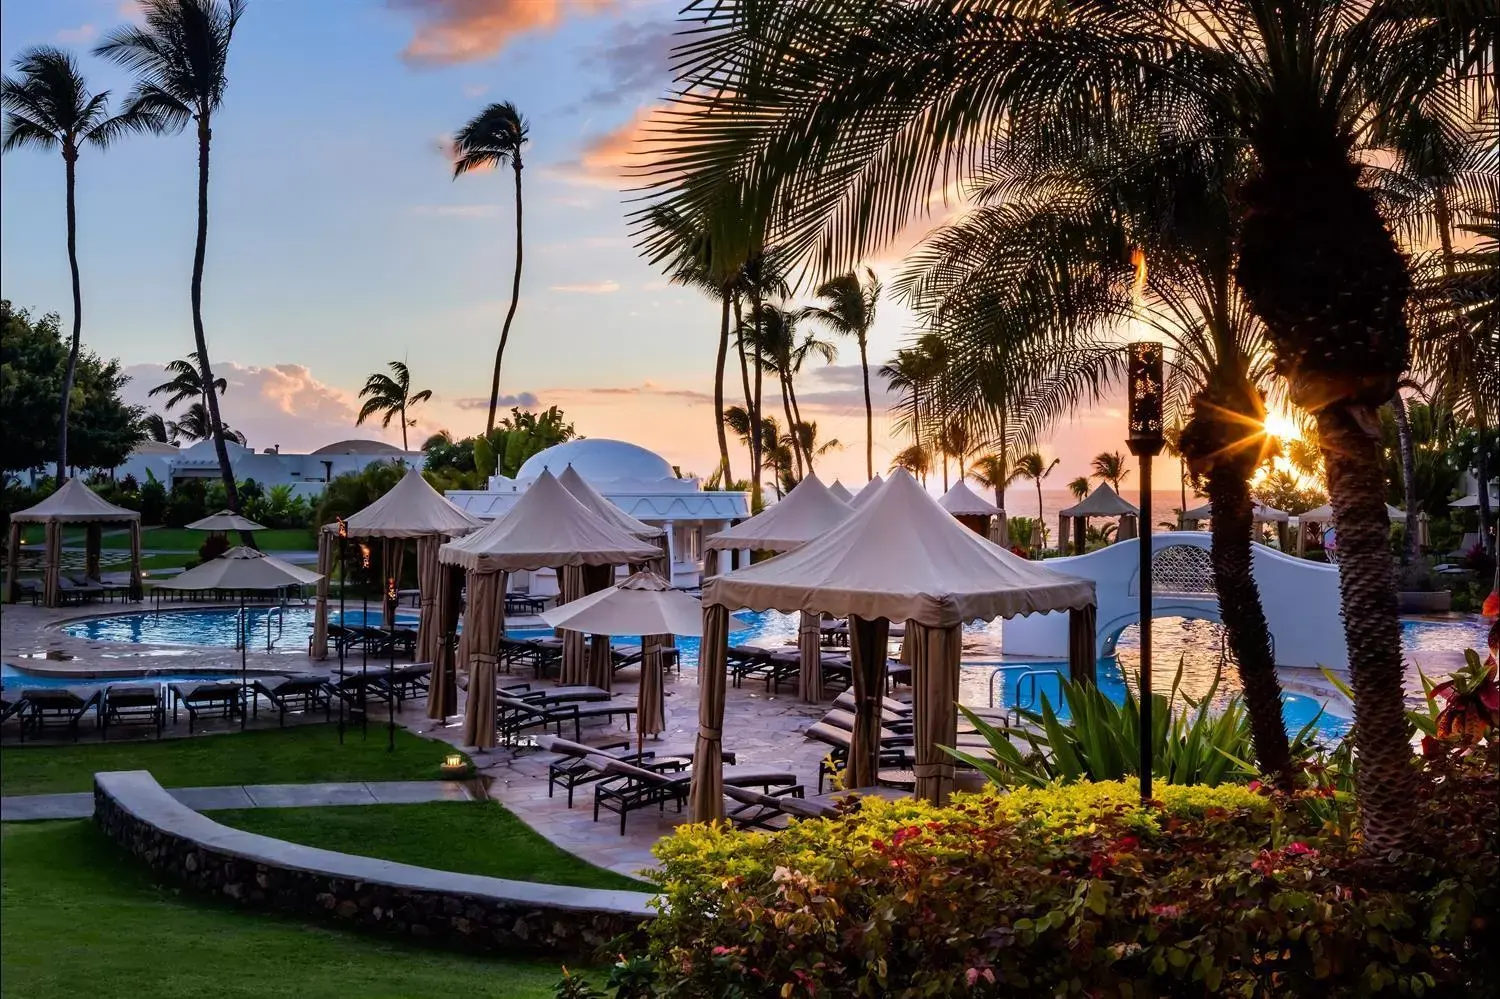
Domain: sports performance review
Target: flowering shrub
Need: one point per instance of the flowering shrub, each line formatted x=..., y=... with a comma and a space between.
x=1078, y=890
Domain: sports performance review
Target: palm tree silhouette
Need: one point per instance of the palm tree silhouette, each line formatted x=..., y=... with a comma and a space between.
x=186, y=382
x=180, y=54
x=391, y=396
x=493, y=138
x=849, y=311
x=49, y=106
x=1110, y=466
x=1031, y=466
x=1079, y=487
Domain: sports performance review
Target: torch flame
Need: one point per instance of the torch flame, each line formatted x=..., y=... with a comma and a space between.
x=1138, y=261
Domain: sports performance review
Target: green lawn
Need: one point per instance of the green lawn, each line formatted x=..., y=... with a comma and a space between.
x=80, y=917
x=181, y=539
x=295, y=755
x=469, y=837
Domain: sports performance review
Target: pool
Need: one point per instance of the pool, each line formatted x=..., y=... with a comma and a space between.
x=289, y=627
x=13, y=678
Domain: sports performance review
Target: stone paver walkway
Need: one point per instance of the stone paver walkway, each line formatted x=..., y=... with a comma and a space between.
x=80, y=805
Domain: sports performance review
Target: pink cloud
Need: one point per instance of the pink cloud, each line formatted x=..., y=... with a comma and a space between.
x=457, y=31
x=79, y=35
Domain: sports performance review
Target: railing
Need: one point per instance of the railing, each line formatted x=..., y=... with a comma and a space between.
x=1027, y=691
x=279, y=613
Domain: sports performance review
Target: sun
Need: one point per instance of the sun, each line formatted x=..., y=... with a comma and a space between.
x=1282, y=426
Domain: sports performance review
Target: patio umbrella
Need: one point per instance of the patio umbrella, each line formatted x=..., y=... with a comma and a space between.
x=646, y=605
x=223, y=522
x=243, y=569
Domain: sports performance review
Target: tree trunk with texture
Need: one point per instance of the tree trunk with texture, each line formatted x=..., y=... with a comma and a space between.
x=1408, y=472
x=510, y=314
x=226, y=470
x=864, y=368
x=791, y=425
x=725, y=477
x=1244, y=618
x=70, y=157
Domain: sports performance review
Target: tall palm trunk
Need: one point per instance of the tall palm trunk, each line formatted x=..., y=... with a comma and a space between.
x=791, y=394
x=945, y=469
x=864, y=368
x=515, y=298
x=786, y=408
x=1408, y=472
x=725, y=476
x=226, y=471
x=739, y=341
x=1244, y=618
x=755, y=415
x=70, y=157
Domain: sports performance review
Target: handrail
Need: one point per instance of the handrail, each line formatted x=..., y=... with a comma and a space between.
x=1025, y=700
x=279, y=613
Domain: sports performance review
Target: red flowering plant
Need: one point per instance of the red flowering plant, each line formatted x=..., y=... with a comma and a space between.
x=1470, y=699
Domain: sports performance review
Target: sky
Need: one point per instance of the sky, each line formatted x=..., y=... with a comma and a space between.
x=338, y=239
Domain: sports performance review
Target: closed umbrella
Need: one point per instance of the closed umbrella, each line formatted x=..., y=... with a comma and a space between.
x=223, y=522
x=243, y=569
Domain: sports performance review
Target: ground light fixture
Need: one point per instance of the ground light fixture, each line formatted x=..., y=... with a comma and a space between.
x=1145, y=442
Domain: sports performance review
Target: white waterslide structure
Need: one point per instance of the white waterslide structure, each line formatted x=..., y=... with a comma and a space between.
x=1301, y=599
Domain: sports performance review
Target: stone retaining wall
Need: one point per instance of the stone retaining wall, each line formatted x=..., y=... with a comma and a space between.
x=457, y=910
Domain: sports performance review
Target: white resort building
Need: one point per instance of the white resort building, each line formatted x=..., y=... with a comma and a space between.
x=305, y=473
x=638, y=481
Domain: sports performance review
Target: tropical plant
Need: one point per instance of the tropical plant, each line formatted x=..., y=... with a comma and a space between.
x=993, y=472
x=762, y=277
x=390, y=397
x=849, y=311
x=195, y=424
x=517, y=437
x=180, y=53
x=49, y=106
x=908, y=373
x=490, y=140
x=186, y=382
x=842, y=119
x=154, y=425
x=1032, y=466
x=916, y=459
x=1111, y=467
x=783, y=348
x=1079, y=487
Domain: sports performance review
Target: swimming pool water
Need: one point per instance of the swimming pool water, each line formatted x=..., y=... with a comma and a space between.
x=18, y=679
x=289, y=628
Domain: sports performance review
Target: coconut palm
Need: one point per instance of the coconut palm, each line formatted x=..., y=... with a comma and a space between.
x=1032, y=466
x=994, y=472
x=849, y=310
x=1111, y=467
x=180, y=54
x=842, y=118
x=1079, y=487
x=490, y=140
x=915, y=459
x=48, y=105
x=186, y=382
x=195, y=424
x=390, y=397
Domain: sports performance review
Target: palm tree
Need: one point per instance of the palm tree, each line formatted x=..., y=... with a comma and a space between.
x=1079, y=487
x=994, y=472
x=815, y=110
x=1031, y=466
x=49, y=106
x=782, y=349
x=849, y=311
x=491, y=139
x=1110, y=466
x=195, y=424
x=155, y=427
x=186, y=382
x=392, y=396
x=915, y=459
x=761, y=277
x=180, y=53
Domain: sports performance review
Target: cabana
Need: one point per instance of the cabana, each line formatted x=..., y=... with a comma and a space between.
x=901, y=558
x=968, y=508
x=808, y=512
x=841, y=491
x=867, y=493
x=547, y=529
x=72, y=504
x=410, y=510
x=598, y=504
x=1260, y=513
x=1324, y=515
x=1102, y=502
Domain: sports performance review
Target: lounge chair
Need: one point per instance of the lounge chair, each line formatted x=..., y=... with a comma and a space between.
x=51, y=704
x=292, y=693
x=358, y=688
x=626, y=788
x=514, y=716
x=751, y=809
x=29, y=588
x=78, y=592
x=222, y=698
x=555, y=695
x=573, y=768
x=132, y=702
x=411, y=680
x=13, y=707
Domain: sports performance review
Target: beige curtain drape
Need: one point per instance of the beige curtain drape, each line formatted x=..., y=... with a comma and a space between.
x=601, y=667
x=810, y=650
x=906, y=646
x=1082, y=623
x=867, y=647
x=393, y=561
x=137, y=588
x=706, y=796
x=486, y=619
x=429, y=585
x=442, y=694
x=319, y=647
x=651, y=705
x=51, y=591
x=710, y=564
x=13, y=564
x=1063, y=534
x=575, y=667
x=935, y=674
x=662, y=564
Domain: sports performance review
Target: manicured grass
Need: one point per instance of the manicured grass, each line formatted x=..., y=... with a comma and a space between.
x=464, y=836
x=295, y=755
x=181, y=539
x=80, y=917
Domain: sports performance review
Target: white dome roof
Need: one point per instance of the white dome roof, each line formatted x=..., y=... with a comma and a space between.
x=599, y=460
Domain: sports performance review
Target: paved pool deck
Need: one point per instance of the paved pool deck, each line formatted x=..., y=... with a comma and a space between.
x=80, y=805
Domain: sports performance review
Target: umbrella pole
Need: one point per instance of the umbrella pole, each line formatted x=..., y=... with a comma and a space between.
x=364, y=669
x=244, y=659
x=340, y=642
x=390, y=674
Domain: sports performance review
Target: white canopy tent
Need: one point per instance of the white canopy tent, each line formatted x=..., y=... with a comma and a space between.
x=72, y=504
x=841, y=491
x=1324, y=515
x=868, y=492
x=969, y=508
x=900, y=558
x=1103, y=501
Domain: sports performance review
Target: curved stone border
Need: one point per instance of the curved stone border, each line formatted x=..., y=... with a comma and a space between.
x=459, y=910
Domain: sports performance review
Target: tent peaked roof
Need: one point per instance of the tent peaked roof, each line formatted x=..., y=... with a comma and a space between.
x=74, y=503
x=603, y=508
x=642, y=604
x=410, y=509
x=961, y=501
x=867, y=492
x=1259, y=513
x=1102, y=502
x=841, y=491
x=546, y=528
x=901, y=557
x=242, y=568
x=225, y=520
x=1324, y=514
x=809, y=511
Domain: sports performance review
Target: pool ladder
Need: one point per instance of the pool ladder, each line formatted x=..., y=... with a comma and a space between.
x=279, y=613
x=1027, y=690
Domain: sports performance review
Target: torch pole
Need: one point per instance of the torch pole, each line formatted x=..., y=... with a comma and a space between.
x=1145, y=674
x=1145, y=441
x=341, y=642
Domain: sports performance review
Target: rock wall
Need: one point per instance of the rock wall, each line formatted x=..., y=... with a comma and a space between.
x=438, y=907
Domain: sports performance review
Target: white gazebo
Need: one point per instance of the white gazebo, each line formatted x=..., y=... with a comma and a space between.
x=808, y=512
x=641, y=483
x=969, y=508
x=1102, y=502
x=867, y=492
x=1324, y=515
x=73, y=504
x=900, y=558
x=841, y=491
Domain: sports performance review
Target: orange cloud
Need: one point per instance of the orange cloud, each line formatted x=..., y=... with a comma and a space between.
x=455, y=31
x=617, y=158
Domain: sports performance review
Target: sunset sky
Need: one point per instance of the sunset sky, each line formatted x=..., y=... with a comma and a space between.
x=338, y=241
